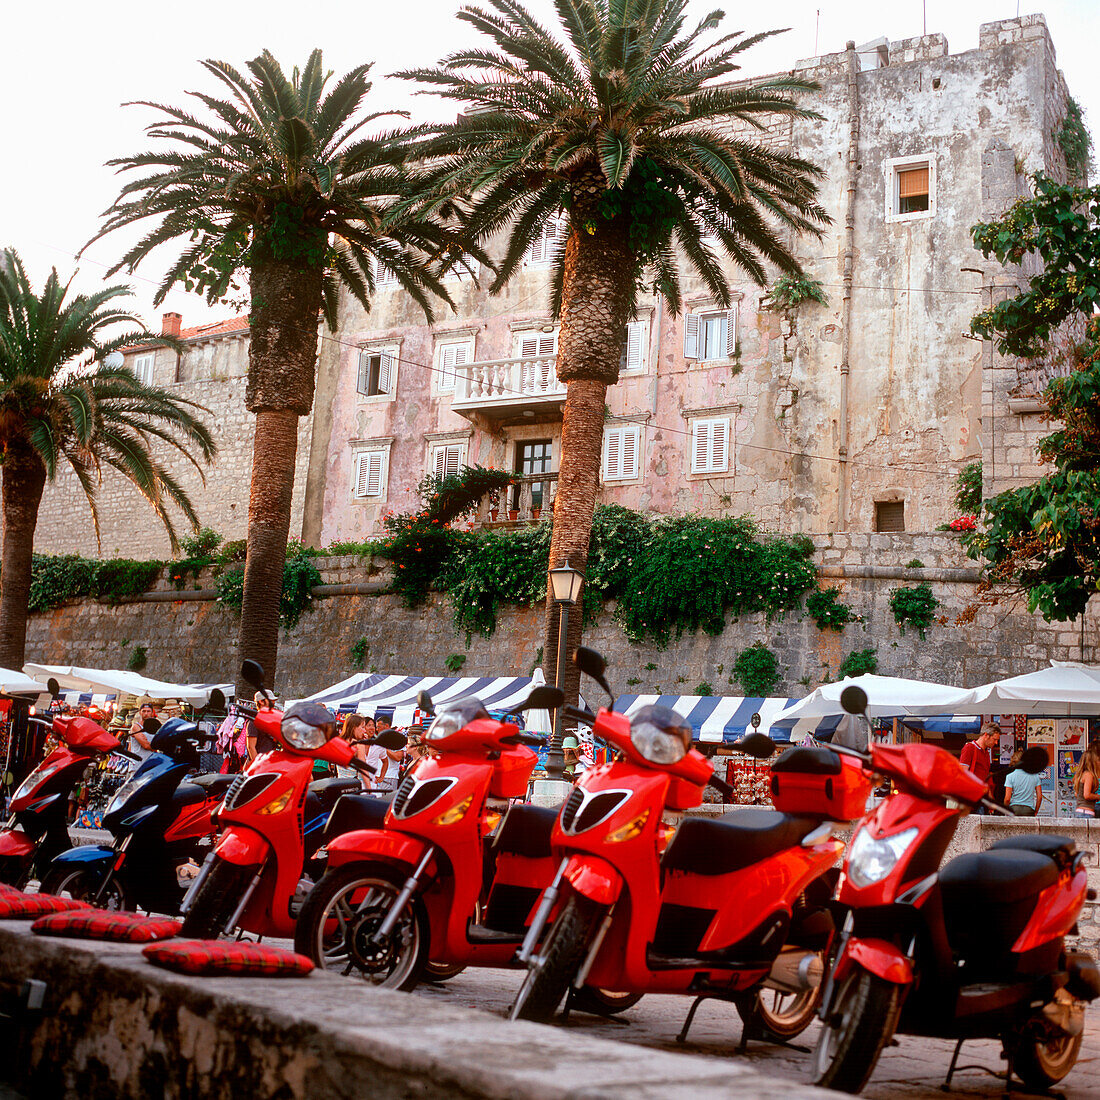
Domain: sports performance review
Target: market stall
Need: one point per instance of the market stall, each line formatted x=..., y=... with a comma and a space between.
x=716, y=719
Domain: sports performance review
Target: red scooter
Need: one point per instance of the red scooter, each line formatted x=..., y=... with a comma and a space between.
x=733, y=908
x=37, y=830
x=972, y=950
x=444, y=877
x=251, y=880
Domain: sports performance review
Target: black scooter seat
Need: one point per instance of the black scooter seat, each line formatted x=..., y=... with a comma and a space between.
x=736, y=840
x=215, y=785
x=526, y=830
x=188, y=794
x=355, y=811
x=977, y=880
x=327, y=791
x=1060, y=848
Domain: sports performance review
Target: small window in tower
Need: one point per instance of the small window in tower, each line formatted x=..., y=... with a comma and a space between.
x=910, y=188
x=890, y=515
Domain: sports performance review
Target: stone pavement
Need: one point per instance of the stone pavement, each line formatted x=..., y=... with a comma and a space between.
x=912, y=1070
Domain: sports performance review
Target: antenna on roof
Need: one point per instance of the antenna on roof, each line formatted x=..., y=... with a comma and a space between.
x=817, y=28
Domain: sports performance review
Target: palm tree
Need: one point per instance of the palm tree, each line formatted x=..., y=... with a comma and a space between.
x=619, y=119
x=270, y=184
x=59, y=401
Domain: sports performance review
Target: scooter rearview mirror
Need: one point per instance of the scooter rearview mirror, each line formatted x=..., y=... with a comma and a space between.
x=544, y=697
x=216, y=702
x=252, y=672
x=759, y=745
x=755, y=720
x=389, y=739
x=1035, y=760
x=53, y=687
x=592, y=664
x=854, y=699
x=424, y=702
x=150, y=726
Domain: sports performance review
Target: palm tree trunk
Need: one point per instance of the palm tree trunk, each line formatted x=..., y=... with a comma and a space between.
x=282, y=365
x=24, y=478
x=596, y=300
x=273, y=453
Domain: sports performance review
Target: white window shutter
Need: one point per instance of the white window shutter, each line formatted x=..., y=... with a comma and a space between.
x=440, y=463
x=375, y=465
x=548, y=343
x=364, y=371
x=529, y=346
x=361, y=475
x=385, y=374
x=635, y=345
x=731, y=333
x=630, y=453
x=453, y=460
x=691, y=336
x=612, y=454
x=719, y=445
x=700, y=446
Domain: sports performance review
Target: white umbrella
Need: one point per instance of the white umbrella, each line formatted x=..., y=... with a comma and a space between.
x=1065, y=689
x=119, y=681
x=887, y=697
x=16, y=683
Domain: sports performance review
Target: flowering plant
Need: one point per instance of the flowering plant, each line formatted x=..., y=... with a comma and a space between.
x=964, y=523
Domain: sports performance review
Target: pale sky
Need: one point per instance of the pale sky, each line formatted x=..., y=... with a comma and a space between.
x=66, y=68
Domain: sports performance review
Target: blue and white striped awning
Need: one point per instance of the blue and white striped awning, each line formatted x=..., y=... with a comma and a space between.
x=822, y=729
x=395, y=696
x=720, y=719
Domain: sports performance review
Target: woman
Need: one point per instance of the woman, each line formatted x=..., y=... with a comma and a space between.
x=1023, y=791
x=1086, y=785
x=357, y=731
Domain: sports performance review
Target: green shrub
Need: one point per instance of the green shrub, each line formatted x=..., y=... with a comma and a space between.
x=913, y=607
x=704, y=688
x=358, y=653
x=359, y=549
x=790, y=291
x=827, y=611
x=55, y=579
x=232, y=551
x=858, y=662
x=454, y=663
x=202, y=544
x=968, y=489
x=299, y=576
x=916, y=563
x=137, y=658
x=756, y=670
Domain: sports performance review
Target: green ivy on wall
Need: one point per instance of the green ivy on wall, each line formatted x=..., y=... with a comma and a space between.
x=827, y=611
x=756, y=670
x=914, y=607
x=859, y=662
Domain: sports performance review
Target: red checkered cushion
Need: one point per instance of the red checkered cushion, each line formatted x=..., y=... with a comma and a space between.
x=19, y=906
x=98, y=924
x=228, y=957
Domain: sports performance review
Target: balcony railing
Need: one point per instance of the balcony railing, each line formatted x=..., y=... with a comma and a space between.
x=507, y=386
x=524, y=502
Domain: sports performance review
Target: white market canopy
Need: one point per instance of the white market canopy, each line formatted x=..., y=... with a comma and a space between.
x=122, y=682
x=1065, y=688
x=395, y=696
x=716, y=719
x=16, y=683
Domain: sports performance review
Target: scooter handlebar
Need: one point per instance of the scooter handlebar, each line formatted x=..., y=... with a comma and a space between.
x=127, y=753
x=363, y=766
x=722, y=787
x=523, y=738
x=995, y=807
x=579, y=715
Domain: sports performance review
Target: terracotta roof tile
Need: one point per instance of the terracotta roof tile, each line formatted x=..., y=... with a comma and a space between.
x=212, y=329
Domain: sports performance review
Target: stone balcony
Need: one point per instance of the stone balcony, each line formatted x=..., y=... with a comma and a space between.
x=504, y=388
x=527, y=501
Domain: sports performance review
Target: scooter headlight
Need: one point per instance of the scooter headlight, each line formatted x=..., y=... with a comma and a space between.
x=128, y=790
x=308, y=725
x=660, y=735
x=43, y=771
x=453, y=717
x=870, y=860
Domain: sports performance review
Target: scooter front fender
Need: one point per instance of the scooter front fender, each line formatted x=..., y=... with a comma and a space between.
x=15, y=842
x=595, y=878
x=384, y=844
x=86, y=854
x=879, y=957
x=243, y=847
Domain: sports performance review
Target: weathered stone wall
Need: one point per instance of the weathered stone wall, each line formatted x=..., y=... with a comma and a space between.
x=193, y=639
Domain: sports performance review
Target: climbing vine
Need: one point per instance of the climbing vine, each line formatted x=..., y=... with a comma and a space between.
x=859, y=662
x=913, y=607
x=299, y=577
x=756, y=670
x=828, y=612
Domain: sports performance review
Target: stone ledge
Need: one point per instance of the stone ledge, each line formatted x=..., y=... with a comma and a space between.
x=114, y=1026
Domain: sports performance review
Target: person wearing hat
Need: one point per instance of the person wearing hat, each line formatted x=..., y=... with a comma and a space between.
x=571, y=754
x=144, y=725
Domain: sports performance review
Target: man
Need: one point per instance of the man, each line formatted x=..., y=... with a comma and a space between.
x=976, y=754
x=142, y=729
x=387, y=779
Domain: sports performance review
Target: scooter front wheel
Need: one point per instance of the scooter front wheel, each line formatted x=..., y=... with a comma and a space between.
x=861, y=1023
x=217, y=898
x=83, y=885
x=559, y=957
x=1041, y=1063
x=338, y=921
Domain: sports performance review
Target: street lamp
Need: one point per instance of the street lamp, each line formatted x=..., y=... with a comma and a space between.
x=565, y=586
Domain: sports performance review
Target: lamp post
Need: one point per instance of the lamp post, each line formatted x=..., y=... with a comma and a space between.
x=565, y=585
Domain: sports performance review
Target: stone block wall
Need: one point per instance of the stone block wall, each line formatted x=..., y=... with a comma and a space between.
x=192, y=638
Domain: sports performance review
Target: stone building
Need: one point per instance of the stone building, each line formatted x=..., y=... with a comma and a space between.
x=211, y=370
x=850, y=416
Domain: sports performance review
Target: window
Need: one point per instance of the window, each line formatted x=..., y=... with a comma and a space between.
x=533, y=457
x=143, y=369
x=536, y=345
x=377, y=373
x=620, y=452
x=545, y=246
x=453, y=353
x=889, y=515
x=910, y=188
x=634, y=348
x=383, y=275
x=370, y=475
x=710, y=445
x=711, y=334
x=446, y=459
